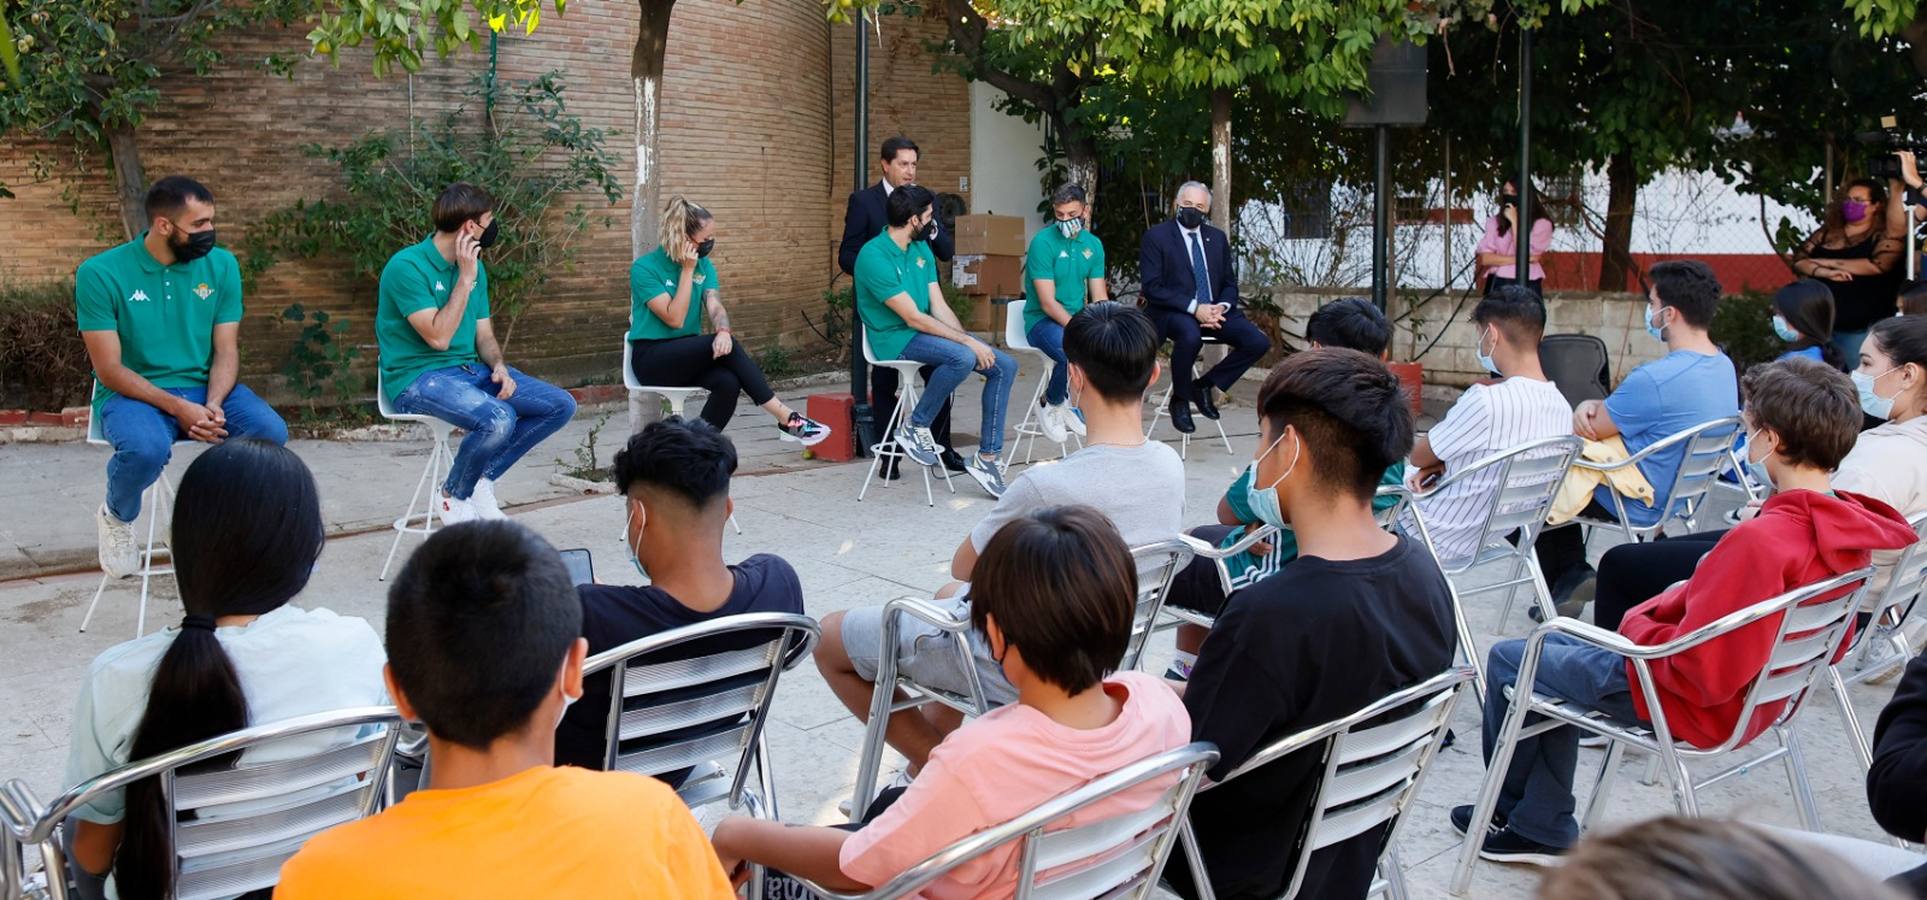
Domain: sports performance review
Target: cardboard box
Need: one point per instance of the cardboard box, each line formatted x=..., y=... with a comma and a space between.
x=990, y=235
x=982, y=315
x=981, y=275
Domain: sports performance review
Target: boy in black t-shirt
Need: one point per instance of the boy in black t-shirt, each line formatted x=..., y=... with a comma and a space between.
x=674, y=481
x=1360, y=614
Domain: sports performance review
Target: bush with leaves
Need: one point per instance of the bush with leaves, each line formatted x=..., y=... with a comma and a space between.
x=43, y=363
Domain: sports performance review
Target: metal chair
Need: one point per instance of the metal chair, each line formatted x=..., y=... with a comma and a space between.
x=157, y=500
x=1520, y=486
x=1158, y=565
x=1116, y=857
x=1882, y=629
x=235, y=823
x=886, y=445
x=440, y=460
x=1375, y=760
x=1163, y=410
x=676, y=397
x=1811, y=628
x=1707, y=448
x=1017, y=340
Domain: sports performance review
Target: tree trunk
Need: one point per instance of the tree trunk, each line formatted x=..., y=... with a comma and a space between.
x=1221, y=159
x=645, y=75
x=1080, y=159
x=1616, y=269
x=130, y=179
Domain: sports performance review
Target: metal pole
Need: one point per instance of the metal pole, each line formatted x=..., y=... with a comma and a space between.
x=1381, y=212
x=1522, y=230
x=862, y=420
x=1448, y=212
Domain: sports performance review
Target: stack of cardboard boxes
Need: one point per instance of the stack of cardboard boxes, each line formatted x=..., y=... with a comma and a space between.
x=989, y=266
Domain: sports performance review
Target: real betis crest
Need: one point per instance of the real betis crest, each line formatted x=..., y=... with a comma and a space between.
x=203, y=291
x=919, y=262
x=1087, y=253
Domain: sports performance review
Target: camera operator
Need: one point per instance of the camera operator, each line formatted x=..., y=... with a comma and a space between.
x=1857, y=252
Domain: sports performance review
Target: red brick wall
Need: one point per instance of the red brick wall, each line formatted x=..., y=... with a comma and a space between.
x=756, y=126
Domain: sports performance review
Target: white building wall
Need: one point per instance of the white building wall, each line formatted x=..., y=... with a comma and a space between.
x=1003, y=160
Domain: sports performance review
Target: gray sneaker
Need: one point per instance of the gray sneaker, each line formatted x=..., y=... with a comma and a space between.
x=120, y=554
x=989, y=475
x=917, y=443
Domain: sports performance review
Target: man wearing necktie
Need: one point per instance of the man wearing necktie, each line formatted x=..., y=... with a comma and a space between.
x=1190, y=290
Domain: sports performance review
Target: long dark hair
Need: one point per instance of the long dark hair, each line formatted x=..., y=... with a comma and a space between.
x=1807, y=306
x=247, y=530
x=1533, y=212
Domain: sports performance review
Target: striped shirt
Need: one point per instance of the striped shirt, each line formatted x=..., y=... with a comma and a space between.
x=1488, y=419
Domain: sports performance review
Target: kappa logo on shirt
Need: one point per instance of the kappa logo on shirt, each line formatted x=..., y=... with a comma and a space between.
x=203, y=291
x=669, y=282
x=440, y=286
x=138, y=297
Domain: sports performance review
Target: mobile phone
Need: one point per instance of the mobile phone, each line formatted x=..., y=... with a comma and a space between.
x=581, y=567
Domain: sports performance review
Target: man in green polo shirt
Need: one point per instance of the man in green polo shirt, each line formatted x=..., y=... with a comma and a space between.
x=1064, y=269
x=439, y=356
x=161, y=317
x=905, y=317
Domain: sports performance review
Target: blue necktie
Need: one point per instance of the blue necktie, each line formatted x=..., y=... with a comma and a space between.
x=1198, y=275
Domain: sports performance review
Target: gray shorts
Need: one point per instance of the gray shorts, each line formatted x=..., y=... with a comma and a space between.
x=925, y=654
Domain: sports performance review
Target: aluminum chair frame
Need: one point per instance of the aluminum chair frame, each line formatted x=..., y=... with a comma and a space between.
x=440, y=460
x=1699, y=468
x=157, y=500
x=1529, y=479
x=886, y=445
x=1890, y=610
x=1131, y=847
x=27, y=823
x=1154, y=586
x=675, y=396
x=1812, y=629
x=1016, y=339
x=1162, y=409
x=1372, y=774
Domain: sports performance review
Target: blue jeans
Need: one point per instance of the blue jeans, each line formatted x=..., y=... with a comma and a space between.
x=1048, y=337
x=143, y=437
x=954, y=362
x=499, y=431
x=1537, y=799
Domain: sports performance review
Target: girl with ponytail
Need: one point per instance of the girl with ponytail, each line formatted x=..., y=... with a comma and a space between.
x=247, y=531
x=669, y=290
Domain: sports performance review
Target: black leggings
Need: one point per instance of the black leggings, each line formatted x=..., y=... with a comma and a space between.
x=691, y=362
x=1631, y=574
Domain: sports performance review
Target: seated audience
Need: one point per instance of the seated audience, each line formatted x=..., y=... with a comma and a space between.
x=674, y=480
x=1803, y=318
x=1353, y=323
x=1054, y=592
x=1137, y=484
x=1897, y=780
x=1677, y=858
x=247, y=530
x=485, y=650
x=1692, y=384
x=1801, y=418
x=1522, y=406
x=1361, y=612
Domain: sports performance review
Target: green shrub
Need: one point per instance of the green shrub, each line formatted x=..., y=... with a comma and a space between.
x=43, y=363
x=1743, y=326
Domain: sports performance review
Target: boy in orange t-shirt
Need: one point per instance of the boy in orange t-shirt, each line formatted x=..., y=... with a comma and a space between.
x=484, y=649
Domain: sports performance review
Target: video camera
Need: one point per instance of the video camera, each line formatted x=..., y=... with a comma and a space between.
x=1888, y=141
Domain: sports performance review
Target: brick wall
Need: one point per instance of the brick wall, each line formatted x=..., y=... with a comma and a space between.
x=755, y=126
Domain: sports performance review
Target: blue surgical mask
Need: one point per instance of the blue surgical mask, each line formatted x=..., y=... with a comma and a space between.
x=1758, y=466
x=1264, y=501
x=1879, y=407
x=1485, y=359
x=1658, y=332
x=635, y=555
x=1785, y=331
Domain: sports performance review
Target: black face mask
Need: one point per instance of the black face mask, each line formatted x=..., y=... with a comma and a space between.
x=1190, y=216
x=703, y=248
x=197, y=245
x=928, y=231
x=1506, y=200
x=488, y=235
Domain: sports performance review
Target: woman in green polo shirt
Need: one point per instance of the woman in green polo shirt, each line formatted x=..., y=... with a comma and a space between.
x=668, y=291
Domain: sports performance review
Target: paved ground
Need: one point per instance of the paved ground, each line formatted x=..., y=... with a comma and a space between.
x=847, y=553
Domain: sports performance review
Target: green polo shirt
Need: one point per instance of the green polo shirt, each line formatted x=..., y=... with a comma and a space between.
x=654, y=275
x=164, y=315
x=882, y=272
x=1067, y=263
x=415, y=279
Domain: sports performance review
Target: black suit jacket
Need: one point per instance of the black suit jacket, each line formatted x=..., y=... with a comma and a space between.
x=1164, y=267
x=865, y=217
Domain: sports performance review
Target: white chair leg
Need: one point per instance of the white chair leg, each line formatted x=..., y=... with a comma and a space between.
x=424, y=495
x=157, y=495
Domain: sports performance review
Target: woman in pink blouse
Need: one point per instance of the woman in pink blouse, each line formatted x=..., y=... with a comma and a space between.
x=1498, y=249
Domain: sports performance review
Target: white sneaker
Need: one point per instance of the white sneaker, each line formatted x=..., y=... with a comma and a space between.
x=1073, y=419
x=120, y=556
x=483, y=499
x=1050, y=421
x=454, y=512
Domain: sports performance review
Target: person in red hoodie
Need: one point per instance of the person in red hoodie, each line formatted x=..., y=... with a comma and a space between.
x=1801, y=419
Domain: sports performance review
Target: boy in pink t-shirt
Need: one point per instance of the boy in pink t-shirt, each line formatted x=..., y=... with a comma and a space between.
x=1054, y=593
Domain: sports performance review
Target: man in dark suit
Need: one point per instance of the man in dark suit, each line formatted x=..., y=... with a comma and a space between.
x=1190, y=288
x=863, y=219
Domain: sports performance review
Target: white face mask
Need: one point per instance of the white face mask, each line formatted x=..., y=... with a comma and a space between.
x=634, y=547
x=1759, y=465
x=1485, y=359
x=1871, y=402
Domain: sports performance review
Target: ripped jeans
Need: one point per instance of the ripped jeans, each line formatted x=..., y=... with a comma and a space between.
x=499, y=431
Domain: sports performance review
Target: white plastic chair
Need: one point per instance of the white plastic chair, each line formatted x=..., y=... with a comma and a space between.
x=1114, y=858
x=156, y=501
x=429, y=485
x=1375, y=760
x=1017, y=340
x=1889, y=612
x=251, y=816
x=1811, y=628
x=886, y=445
x=676, y=396
x=1163, y=410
